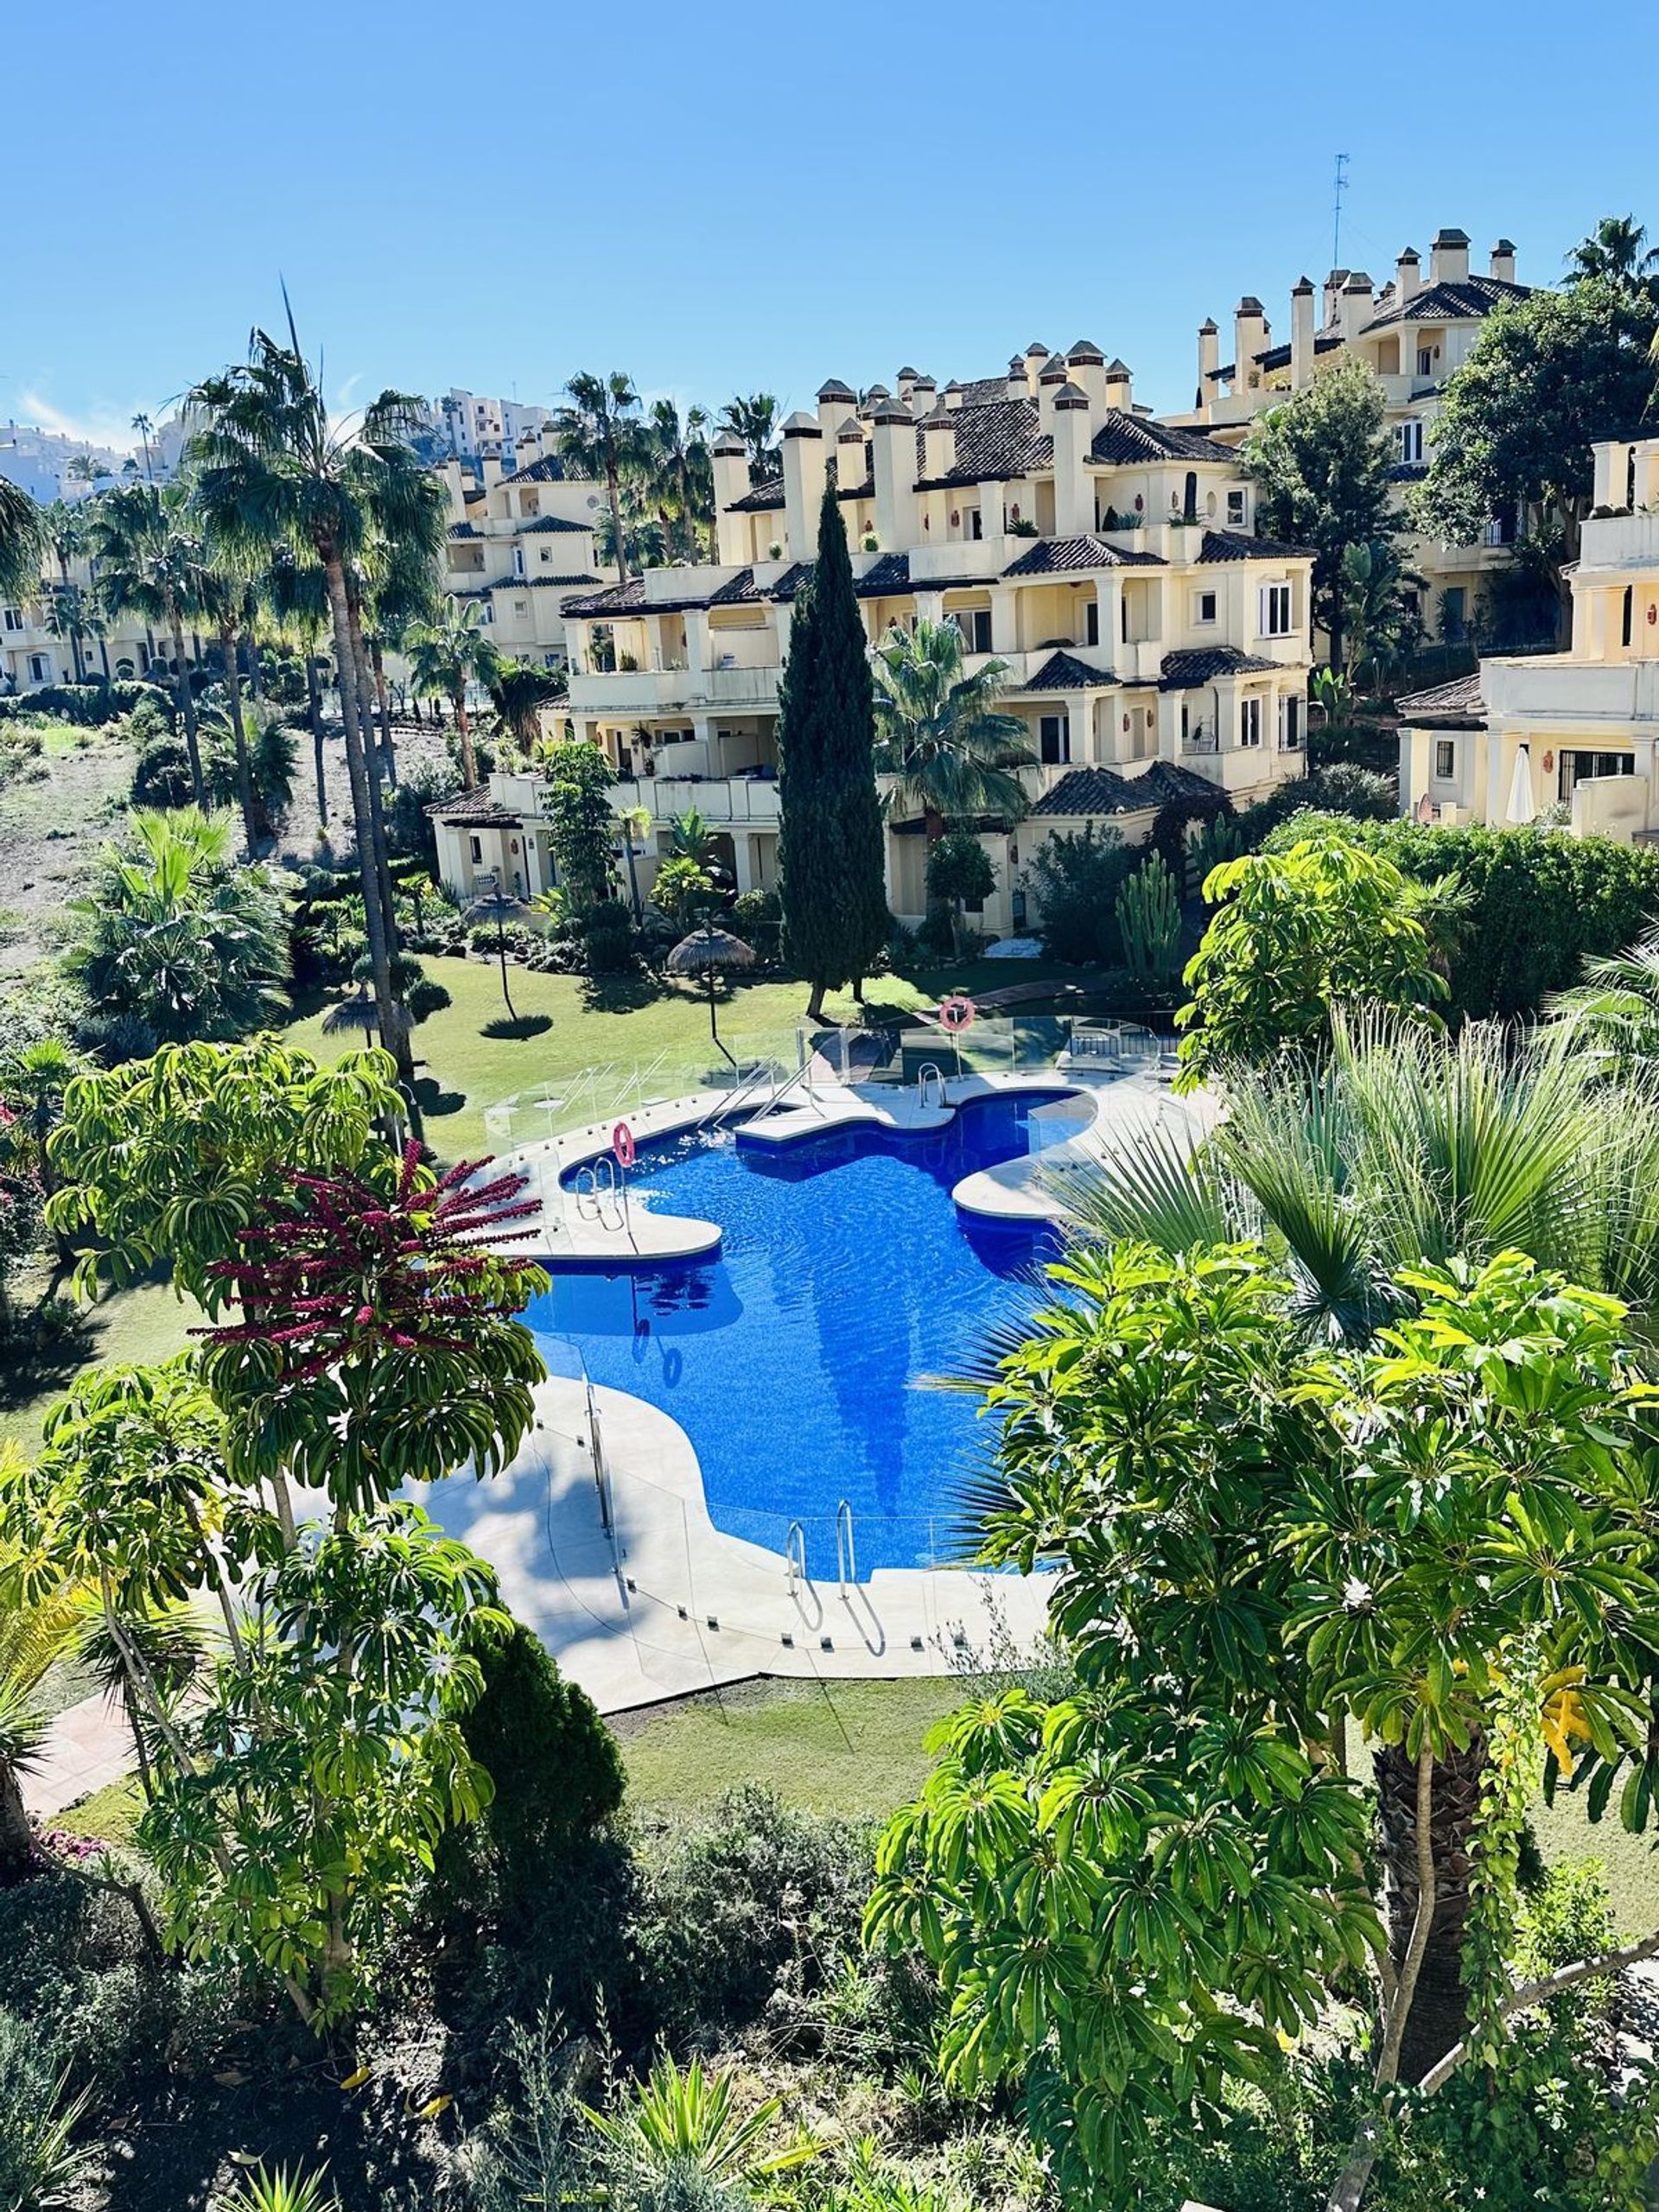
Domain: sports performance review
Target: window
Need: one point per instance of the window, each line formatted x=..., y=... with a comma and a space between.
x=1576, y=767
x=1445, y=759
x=1275, y=610
x=1627, y=621
x=1123, y=616
x=14, y=618
x=1424, y=361
x=979, y=621
x=1411, y=441
x=1236, y=511
x=1291, y=726
x=1249, y=720
x=519, y=563
x=1205, y=608
x=1054, y=745
x=477, y=844
x=1451, y=614
x=975, y=523
x=1091, y=623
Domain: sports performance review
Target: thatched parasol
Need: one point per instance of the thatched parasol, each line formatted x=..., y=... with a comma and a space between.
x=358, y=1012
x=709, y=952
x=500, y=907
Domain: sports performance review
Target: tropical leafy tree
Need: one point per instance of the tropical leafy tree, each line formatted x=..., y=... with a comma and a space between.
x=1548, y=376
x=583, y=827
x=1320, y=463
x=272, y=467
x=691, y=838
x=151, y=563
x=33, y=1081
x=940, y=735
x=1380, y=624
x=1617, y=252
x=961, y=875
x=601, y=434
x=682, y=885
x=830, y=875
x=36, y=1630
x=755, y=421
x=1133, y=1891
x=1295, y=936
x=22, y=542
x=445, y=656
x=176, y=938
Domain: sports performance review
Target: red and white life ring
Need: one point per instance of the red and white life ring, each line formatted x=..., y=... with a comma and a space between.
x=622, y=1144
x=957, y=1013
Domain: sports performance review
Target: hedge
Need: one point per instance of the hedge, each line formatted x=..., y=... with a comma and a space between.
x=1540, y=902
x=87, y=705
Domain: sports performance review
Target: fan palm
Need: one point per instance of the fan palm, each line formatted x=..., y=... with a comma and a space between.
x=1616, y=1008
x=224, y=603
x=64, y=531
x=682, y=475
x=1403, y=1146
x=601, y=434
x=755, y=421
x=293, y=593
x=152, y=564
x=1616, y=250
x=939, y=733
x=445, y=656
x=71, y=614
x=175, y=937
x=274, y=467
x=518, y=691
x=22, y=542
x=399, y=588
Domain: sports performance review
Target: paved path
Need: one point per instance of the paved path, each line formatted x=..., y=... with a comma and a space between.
x=87, y=1746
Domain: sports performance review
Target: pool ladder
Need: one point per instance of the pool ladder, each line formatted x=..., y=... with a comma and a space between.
x=846, y=1553
x=930, y=1070
x=592, y=1193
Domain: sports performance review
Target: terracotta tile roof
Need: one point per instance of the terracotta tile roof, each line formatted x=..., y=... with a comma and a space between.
x=891, y=574
x=1182, y=672
x=995, y=441
x=1458, y=701
x=1062, y=671
x=472, y=811
x=762, y=499
x=552, y=522
x=791, y=580
x=1102, y=790
x=1469, y=300
x=1231, y=545
x=549, y=470
x=1051, y=556
x=465, y=529
x=1278, y=357
x=628, y=599
x=540, y=583
x=742, y=591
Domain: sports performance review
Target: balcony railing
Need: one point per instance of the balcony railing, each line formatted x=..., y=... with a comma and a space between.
x=719, y=798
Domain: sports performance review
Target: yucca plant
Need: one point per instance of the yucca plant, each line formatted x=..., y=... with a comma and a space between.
x=1148, y=916
x=687, y=2122
x=40, y=2160
x=283, y=2192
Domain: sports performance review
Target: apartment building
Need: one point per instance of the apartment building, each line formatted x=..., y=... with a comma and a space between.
x=469, y=429
x=519, y=543
x=33, y=652
x=1155, y=648
x=1576, y=730
x=1413, y=335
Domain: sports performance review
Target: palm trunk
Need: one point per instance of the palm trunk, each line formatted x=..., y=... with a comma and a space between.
x=188, y=709
x=1439, y=2005
x=468, y=759
x=253, y=828
x=314, y=711
x=256, y=674
x=614, y=490
x=394, y=1025
x=16, y=1837
x=74, y=654
x=104, y=655
x=378, y=663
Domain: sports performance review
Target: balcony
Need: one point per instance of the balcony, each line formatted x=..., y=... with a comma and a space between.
x=1559, y=689
x=667, y=690
x=737, y=799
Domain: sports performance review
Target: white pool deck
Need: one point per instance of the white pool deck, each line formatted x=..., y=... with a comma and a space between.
x=662, y=1604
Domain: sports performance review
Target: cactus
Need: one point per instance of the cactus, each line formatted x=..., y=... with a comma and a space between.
x=1149, y=921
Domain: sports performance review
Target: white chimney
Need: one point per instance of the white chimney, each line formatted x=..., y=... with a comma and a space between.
x=1249, y=338
x=1120, y=386
x=1448, y=259
x=1407, y=276
x=953, y=395
x=1086, y=365
x=938, y=444
x=1333, y=284
x=1501, y=265
x=1074, y=495
x=1208, y=361
x=892, y=441
x=803, y=473
x=907, y=385
x=729, y=457
x=1356, y=306
x=1017, y=388
x=837, y=403
x=1036, y=361
x=924, y=396
x=1048, y=384
x=1301, y=334
x=491, y=465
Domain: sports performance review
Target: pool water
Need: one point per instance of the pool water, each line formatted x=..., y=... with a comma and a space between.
x=795, y=1359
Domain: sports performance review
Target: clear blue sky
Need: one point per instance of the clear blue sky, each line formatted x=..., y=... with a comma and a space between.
x=717, y=195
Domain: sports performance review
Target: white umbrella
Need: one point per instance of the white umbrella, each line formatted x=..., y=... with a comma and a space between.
x=1522, y=808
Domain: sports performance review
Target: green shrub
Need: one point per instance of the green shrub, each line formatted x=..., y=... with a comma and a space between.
x=1073, y=879
x=40, y=2163
x=89, y=706
x=607, y=938
x=1540, y=903
x=161, y=776
x=758, y=917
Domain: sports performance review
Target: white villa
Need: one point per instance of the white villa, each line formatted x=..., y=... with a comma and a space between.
x=1412, y=336
x=1156, y=649
x=1578, y=728
x=519, y=544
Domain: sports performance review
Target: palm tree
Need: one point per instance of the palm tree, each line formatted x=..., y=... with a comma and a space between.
x=635, y=822
x=682, y=474
x=1615, y=1009
x=142, y=424
x=1617, y=252
x=691, y=838
x=176, y=938
x=294, y=594
x=70, y=613
x=224, y=603
x=518, y=691
x=601, y=434
x=399, y=587
x=64, y=529
x=273, y=467
x=939, y=733
x=444, y=657
x=21, y=540
x=35, y=1631
x=33, y=1080
x=152, y=564
x=755, y=421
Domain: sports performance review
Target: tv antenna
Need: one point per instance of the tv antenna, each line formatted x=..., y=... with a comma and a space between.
x=1336, y=211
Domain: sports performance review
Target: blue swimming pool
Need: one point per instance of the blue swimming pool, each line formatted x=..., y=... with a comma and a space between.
x=792, y=1360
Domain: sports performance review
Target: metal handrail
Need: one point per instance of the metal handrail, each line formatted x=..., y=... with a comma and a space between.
x=930, y=1068
x=794, y=1557
x=846, y=1555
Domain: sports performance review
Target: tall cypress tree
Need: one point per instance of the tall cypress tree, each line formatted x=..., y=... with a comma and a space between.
x=830, y=846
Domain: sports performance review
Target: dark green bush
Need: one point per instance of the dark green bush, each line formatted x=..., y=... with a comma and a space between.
x=161, y=774
x=1541, y=903
x=89, y=706
x=1073, y=879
